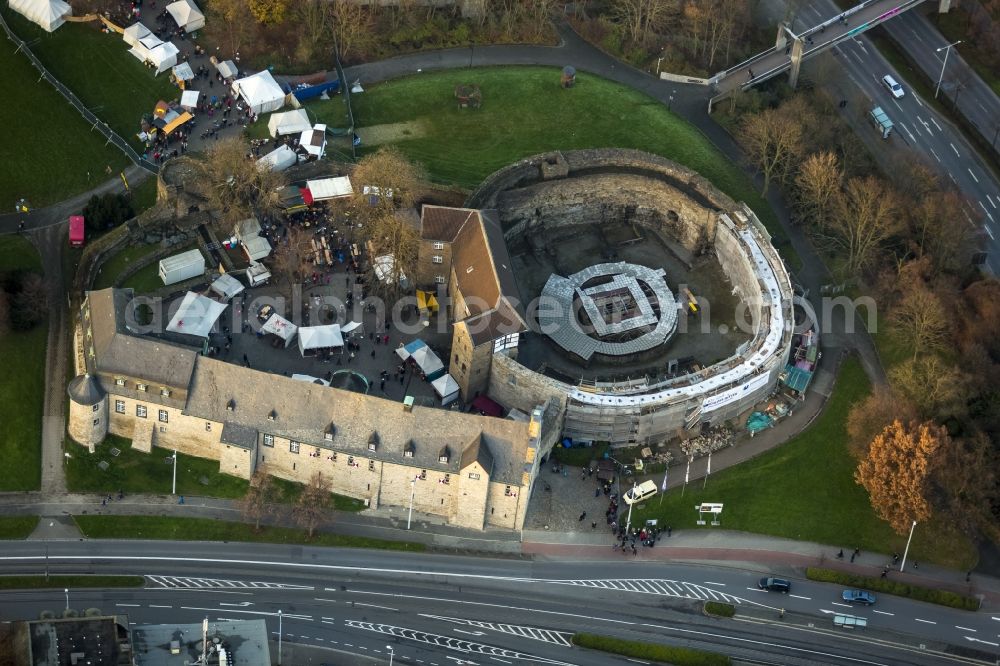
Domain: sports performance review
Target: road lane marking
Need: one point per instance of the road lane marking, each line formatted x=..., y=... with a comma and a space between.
x=954, y=148
x=972, y=174
x=534, y=633
x=992, y=237
x=936, y=124
x=977, y=640
x=882, y=612
x=128, y=605
x=990, y=216
x=159, y=606
x=990, y=199
x=966, y=629
x=952, y=178
x=708, y=582
x=924, y=621
x=907, y=129
x=837, y=603
x=358, y=603
x=800, y=597
x=327, y=600
x=249, y=612
x=935, y=155
x=898, y=106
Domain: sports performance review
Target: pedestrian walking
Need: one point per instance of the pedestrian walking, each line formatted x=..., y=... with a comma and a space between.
x=582, y=516
x=669, y=530
x=593, y=525
x=895, y=558
x=885, y=572
x=104, y=502
x=634, y=551
x=852, y=558
x=181, y=500
x=915, y=565
x=968, y=576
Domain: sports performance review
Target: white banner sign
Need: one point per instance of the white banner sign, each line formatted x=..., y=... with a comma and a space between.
x=713, y=402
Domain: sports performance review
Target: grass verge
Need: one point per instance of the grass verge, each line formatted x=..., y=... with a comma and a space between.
x=205, y=529
x=42, y=582
x=22, y=387
x=50, y=152
x=652, y=651
x=719, y=609
x=17, y=527
x=805, y=490
x=895, y=588
x=114, y=266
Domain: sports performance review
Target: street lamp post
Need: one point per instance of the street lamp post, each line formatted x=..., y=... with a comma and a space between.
x=628, y=523
x=947, y=50
x=173, y=489
x=391, y=653
x=413, y=488
x=66, y=592
x=907, y=549
x=279, y=638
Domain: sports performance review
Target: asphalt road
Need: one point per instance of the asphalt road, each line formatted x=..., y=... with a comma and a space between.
x=921, y=129
x=436, y=609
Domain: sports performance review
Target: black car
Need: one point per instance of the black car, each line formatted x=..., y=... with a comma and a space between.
x=774, y=585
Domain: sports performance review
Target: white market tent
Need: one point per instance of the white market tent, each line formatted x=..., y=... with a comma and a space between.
x=350, y=326
x=50, y=14
x=310, y=379
x=183, y=72
x=161, y=55
x=134, y=33
x=196, y=315
x=289, y=122
x=278, y=159
x=330, y=188
x=312, y=338
x=227, y=286
x=247, y=229
x=313, y=141
x=281, y=327
x=256, y=248
x=227, y=68
x=260, y=91
x=189, y=99
x=447, y=389
x=187, y=15
x=423, y=356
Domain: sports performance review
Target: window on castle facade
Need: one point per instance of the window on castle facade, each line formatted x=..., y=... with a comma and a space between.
x=140, y=411
x=268, y=440
x=371, y=465
x=293, y=447
x=120, y=406
x=164, y=416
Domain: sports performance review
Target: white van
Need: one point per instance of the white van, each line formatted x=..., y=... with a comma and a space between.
x=893, y=86
x=640, y=492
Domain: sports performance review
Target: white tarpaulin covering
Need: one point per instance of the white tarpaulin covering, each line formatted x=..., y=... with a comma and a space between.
x=260, y=91
x=384, y=268
x=135, y=32
x=427, y=361
x=447, y=388
x=196, y=315
x=247, y=229
x=330, y=188
x=227, y=68
x=278, y=159
x=289, y=122
x=183, y=72
x=278, y=325
x=310, y=379
x=312, y=338
x=50, y=14
x=349, y=326
x=227, y=286
x=256, y=248
x=187, y=15
x=189, y=99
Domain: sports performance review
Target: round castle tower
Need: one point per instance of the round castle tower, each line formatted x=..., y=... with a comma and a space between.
x=88, y=411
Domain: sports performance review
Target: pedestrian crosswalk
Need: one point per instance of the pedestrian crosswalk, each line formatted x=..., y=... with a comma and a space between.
x=659, y=586
x=185, y=582
x=534, y=633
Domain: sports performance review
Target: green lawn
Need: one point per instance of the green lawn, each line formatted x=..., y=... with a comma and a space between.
x=50, y=150
x=146, y=280
x=525, y=112
x=138, y=472
x=113, y=267
x=41, y=582
x=805, y=490
x=143, y=195
x=22, y=386
x=17, y=527
x=99, y=70
x=204, y=529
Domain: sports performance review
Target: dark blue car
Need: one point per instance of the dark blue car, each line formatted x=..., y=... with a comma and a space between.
x=859, y=596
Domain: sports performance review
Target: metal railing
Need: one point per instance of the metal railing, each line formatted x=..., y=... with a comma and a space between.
x=95, y=123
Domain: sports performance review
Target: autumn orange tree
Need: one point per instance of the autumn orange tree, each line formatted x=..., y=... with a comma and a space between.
x=896, y=472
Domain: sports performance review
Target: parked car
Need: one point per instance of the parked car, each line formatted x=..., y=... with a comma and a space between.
x=774, y=585
x=859, y=596
x=640, y=492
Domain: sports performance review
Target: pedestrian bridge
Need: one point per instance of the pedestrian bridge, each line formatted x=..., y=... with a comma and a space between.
x=791, y=49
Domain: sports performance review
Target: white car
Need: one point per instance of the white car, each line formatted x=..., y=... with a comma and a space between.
x=893, y=86
x=640, y=492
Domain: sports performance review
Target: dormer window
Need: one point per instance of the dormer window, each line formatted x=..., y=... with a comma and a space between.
x=140, y=387
x=445, y=455
x=409, y=449
x=273, y=415
x=119, y=381
x=165, y=392
x=330, y=431
x=231, y=406
x=373, y=441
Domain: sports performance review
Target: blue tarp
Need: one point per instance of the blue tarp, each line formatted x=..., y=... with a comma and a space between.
x=302, y=94
x=796, y=379
x=758, y=421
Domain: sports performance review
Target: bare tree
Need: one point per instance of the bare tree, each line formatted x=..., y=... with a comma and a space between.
x=399, y=181
x=236, y=20
x=391, y=235
x=291, y=256
x=939, y=230
x=314, y=505
x=351, y=25
x=313, y=16
x=819, y=181
x=260, y=499
x=937, y=388
x=639, y=17
x=236, y=187
x=773, y=141
x=30, y=305
x=919, y=320
x=864, y=219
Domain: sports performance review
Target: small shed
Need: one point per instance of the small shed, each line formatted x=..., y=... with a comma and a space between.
x=279, y=159
x=227, y=287
x=288, y=122
x=182, y=267
x=256, y=248
x=447, y=389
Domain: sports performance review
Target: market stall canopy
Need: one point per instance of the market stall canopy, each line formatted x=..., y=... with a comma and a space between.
x=50, y=14
x=289, y=122
x=278, y=159
x=227, y=286
x=135, y=32
x=330, y=188
x=177, y=122
x=183, y=72
x=227, y=69
x=189, y=99
x=350, y=326
x=421, y=354
x=161, y=55
x=281, y=327
x=256, y=248
x=313, y=141
x=447, y=388
x=312, y=338
x=260, y=91
x=187, y=15
x=196, y=315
